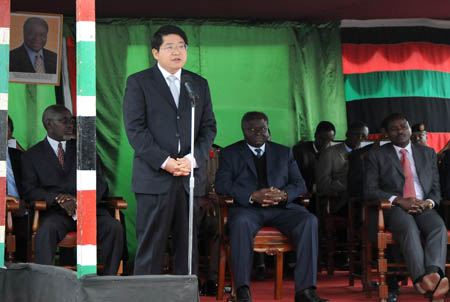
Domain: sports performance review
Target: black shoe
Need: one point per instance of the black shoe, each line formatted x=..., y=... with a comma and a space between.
x=308, y=295
x=243, y=294
x=210, y=288
x=392, y=296
x=260, y=274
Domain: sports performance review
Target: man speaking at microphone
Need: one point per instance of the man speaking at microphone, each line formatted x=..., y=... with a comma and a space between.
x=157, y=117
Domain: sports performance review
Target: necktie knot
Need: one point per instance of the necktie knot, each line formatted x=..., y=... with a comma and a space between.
x=258, y=152
x=403, y=152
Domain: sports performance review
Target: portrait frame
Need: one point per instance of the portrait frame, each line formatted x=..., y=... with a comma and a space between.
x=21, y=66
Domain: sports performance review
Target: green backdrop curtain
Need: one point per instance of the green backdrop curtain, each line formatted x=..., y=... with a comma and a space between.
x=291, y=71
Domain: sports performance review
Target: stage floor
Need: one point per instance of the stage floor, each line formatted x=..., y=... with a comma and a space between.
x=335, y=288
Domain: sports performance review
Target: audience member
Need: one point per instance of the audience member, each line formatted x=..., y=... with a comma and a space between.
x=419, y=135
x=264, y=179
x=331, y=173
x=406, y=174
x=49, y=174
x=307, y=153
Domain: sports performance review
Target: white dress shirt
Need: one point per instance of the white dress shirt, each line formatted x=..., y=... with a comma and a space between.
x=253, y=149
x=54, y=144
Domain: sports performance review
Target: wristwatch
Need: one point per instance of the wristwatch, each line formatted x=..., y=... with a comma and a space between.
x=430, y=204
x=285, y=196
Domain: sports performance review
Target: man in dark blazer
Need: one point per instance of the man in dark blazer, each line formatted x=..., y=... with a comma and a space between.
x=31, y=56
x=264, y=179
x=407, y=175
x=331, y=173
x=46, y=177
x=157, y=118
x=307, y=154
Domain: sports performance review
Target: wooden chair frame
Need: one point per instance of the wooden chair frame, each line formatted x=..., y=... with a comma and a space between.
x=70, y=240
x=274, y=243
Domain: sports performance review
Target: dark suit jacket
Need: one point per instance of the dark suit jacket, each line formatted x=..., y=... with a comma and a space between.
x=306, y=157
x=331, y=173
x=154, y=124
x=15, y=156
x=19, y=61
x=355, y=179
x=237, y=172
x=43, y=178
x=445, y=175
x=384, y=173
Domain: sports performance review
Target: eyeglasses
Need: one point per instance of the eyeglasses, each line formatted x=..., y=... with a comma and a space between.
x=171, y=48
x=65, y=121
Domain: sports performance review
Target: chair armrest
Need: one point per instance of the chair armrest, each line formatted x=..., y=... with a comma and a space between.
x=11, y=205
x=118, y=204
x=38, y=206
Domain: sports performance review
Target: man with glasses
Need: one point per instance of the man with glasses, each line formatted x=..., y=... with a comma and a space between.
x=49, y=174
x=157, y=118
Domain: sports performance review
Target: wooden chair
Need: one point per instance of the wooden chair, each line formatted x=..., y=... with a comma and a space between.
x=70, y=240
x=11, y=206
x=268, y=240
x=384, y=238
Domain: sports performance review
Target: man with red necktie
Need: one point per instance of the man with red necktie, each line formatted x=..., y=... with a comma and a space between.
x=406, y=174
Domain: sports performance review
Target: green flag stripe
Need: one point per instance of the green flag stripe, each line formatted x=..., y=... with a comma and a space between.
x=86, y=269
x=4, y=55
x=86, y=67
x=406, y=83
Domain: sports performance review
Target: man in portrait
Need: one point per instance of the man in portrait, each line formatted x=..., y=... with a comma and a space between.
x=31, y=56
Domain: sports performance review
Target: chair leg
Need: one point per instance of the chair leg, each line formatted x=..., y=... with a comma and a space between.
x=222, y=267
x=382, y=269
x=233, y=284
x=368, y=268
x=278, y=276
x=351, y=256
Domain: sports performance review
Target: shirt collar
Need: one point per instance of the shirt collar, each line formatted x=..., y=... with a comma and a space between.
x=408, y=148
x=54, y=144
x=263, y=148
x=166, y=74
x=315, y=148
x=32, y=52
x=348, y=148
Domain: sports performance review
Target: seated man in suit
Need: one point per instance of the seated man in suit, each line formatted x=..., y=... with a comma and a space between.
x=49, y=174
x=264, y=179
x=307, y=154
x=31, y=56
x=445, y=174
x=331, y=173
x=406, y=174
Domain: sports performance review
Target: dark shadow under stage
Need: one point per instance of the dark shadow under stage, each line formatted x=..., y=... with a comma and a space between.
x=27, y=282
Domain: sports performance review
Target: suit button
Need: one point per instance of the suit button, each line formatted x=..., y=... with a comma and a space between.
x=178, y=117
x=177, y=135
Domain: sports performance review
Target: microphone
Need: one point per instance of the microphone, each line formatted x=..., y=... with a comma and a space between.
x=187, y=82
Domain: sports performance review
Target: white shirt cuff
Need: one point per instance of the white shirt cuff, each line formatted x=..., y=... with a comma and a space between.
x=192, y=159
x=432, y=201
x=163, y=166
x=392, y=199
x=250, y=201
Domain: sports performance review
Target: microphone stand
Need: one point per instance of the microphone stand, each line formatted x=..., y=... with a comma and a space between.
x=191, y=186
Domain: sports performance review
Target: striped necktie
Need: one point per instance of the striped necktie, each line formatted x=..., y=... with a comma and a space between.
x=38, y=64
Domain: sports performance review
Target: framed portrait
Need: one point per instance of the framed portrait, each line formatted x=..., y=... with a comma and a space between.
x=35, y=48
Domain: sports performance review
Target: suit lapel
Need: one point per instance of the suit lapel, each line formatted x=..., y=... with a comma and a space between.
x=70, y=156
x=246, y=154
x=49, y=153
x=269, y=163
x=162, y=87
x=418, y=161
x=393, y=157
x=343, y=152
